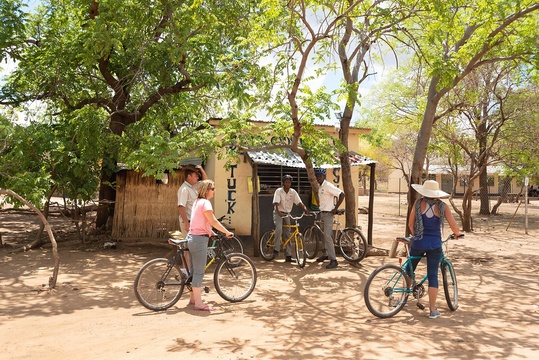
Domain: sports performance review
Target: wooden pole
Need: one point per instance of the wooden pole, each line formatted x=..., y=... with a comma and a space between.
x=56, y=257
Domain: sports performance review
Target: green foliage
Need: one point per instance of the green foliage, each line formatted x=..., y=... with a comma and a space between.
x=57, y=153
x=519, y=147
x=12, y=27
x=132, y=82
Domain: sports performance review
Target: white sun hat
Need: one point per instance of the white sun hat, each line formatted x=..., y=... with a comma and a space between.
x=430, y=189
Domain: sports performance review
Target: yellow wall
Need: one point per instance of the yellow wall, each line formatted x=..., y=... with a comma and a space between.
x=232, y=197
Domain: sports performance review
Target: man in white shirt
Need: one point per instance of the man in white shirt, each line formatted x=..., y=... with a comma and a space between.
x=326, y=194
x=283, y=200
x=187, y=194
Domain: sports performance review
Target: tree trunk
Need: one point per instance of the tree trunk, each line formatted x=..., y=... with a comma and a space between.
x=350, y=194
x=484, y=208
x=107, y=197
x=423, y=139
x=506, y=186
x=107, y=192
x=482, y=134
x=467, y=209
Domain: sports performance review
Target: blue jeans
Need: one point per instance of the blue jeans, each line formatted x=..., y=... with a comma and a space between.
x=198, y=249
x=433, y=263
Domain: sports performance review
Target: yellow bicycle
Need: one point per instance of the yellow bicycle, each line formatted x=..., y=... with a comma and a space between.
x=267, y=242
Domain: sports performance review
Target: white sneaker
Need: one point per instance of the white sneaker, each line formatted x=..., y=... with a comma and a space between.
x=434, y=314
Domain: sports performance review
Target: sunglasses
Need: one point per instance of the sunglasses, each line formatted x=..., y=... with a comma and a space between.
x=212, y=189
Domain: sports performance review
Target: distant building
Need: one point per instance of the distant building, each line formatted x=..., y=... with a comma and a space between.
x=442, y=174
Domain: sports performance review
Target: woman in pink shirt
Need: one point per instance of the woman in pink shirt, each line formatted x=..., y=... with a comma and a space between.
x=200, y=229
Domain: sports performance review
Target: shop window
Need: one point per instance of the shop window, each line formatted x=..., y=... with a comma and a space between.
x=270, y=178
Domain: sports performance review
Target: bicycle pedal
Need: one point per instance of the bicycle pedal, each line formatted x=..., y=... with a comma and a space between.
x=206, y=289
x=421, y=306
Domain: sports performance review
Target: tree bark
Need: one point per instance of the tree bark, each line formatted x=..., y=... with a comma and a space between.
x=107, y=197
x=423, y=140
x=506, y=186
x=467, y=208
x=350, y=194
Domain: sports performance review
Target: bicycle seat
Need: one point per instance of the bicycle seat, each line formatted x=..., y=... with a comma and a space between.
x=404, y=240
x=182, y=242
x=176, y=235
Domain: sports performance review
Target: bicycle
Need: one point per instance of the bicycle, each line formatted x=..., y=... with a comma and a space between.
x=350, y=241
x=267, y=242
x=233, y=242
x=388, y=287
x=160, y=283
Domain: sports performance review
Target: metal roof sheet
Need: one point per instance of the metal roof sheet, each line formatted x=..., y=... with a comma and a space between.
x=286, y=157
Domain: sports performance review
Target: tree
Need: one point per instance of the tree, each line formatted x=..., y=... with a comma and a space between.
x=454, y=40
x=477, y=127
x=155, y=70
x=518, y=150
x=328, y=35
x=58, y=155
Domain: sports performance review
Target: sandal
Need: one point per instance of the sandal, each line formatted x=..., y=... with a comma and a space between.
x=204, y=308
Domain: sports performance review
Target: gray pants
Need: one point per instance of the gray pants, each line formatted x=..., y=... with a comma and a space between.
x=285, y=232
x=327, y=227
x=198, y=249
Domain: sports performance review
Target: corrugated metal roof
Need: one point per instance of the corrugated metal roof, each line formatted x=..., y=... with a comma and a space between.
x=286, y=157
x=282, y=157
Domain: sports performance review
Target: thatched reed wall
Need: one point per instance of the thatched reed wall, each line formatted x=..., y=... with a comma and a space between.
x=145, y=208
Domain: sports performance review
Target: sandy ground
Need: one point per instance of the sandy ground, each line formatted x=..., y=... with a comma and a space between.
x=293, y=313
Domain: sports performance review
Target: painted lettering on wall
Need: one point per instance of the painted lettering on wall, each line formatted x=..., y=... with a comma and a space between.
x=231, y=191
x=336, y=176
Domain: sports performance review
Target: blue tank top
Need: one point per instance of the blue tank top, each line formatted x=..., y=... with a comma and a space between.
x=432, y=234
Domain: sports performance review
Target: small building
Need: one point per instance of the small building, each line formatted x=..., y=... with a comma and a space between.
x=147, y=208
x=442, y=174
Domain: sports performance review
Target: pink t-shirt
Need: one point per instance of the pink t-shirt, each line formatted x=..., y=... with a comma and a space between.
x=199, y=224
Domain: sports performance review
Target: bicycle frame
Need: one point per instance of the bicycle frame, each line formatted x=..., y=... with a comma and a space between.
x=349, y=240
x=416, y=288
x=293, y=234
x=336, y=227
x=389, y=286
x=267, y=242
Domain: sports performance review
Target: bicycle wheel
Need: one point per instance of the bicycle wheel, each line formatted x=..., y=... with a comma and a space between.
x=385, y=291
x=310, y=241
x=235, y=277
x=449, y=279
x=352, y=244
x=158, y=285
x=266, y=245
x=231, y=245
x=301, y=257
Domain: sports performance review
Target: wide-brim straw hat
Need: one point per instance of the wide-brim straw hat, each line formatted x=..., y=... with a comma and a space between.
x=430, y=189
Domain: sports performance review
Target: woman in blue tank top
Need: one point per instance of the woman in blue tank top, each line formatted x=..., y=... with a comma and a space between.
x=426, y=222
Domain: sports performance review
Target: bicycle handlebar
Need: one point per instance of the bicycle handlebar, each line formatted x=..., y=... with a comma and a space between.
x=338, y=212
x=296, y=217
x=408, y=239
